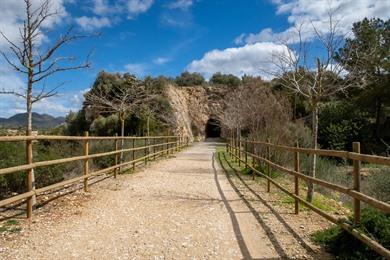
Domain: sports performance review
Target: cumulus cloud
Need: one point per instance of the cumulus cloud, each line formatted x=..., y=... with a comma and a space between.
x=136, y=7
x=315, y=13
x=102, y=7
x=13, y=14
x=92, y=23
x=251, y=59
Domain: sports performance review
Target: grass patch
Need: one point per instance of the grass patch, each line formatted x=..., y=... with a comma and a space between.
x=11, y=226
x=340, y=243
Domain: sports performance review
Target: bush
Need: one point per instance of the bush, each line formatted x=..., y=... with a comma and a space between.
x=340, y=124
x=189, y=79
x=344, y=246
x=377, y=184
x=225, y=79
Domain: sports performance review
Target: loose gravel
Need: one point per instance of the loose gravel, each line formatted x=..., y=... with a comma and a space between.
x=184, y=207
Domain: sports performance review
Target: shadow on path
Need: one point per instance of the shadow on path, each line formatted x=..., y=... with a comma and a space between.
x=236, y=227
x=272, y=210
x=275, y=243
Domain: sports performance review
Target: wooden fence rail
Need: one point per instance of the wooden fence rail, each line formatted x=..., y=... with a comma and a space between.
x=236, y=151
x=161, y=145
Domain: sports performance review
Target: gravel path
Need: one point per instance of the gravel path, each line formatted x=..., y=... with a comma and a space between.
x=184, y=207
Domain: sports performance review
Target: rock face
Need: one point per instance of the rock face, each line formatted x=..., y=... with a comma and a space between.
x=194, y=107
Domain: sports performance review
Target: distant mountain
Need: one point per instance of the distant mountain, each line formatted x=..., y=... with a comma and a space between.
x=40, y=121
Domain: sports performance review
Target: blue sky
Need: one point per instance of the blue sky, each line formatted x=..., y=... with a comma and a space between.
x=166, y=37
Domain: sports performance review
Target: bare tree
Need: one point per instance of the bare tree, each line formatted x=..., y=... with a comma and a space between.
x=258, y=112
x=312, y=71
x=27, y=57
x=121, y=99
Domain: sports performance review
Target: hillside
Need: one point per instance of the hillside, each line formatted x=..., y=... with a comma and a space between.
x=39, y=121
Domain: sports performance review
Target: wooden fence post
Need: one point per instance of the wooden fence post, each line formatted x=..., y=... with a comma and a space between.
x=146, y=150
x=245, y=153
x=116, y=156
x=356, y=183
x=253, y=158
x=167, y=146
x=86, y=161
x=235, y=149
x=268, y=167
x=296, y=179
x=239, y=151
x=29, y=155
x=133, y=154
x=154, y=148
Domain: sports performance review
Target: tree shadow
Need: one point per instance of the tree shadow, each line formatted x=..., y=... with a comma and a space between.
x=256, y=214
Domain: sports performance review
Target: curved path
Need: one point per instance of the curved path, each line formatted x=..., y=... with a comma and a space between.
x=184, y=207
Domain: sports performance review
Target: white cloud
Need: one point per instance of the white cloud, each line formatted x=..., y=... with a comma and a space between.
x=93, y=23
x=180, y=4
x=138, y=69
x=251, y=59
x=13, y=14
x=102, y=7
x=315, y=13
x=161, y=60
x=136, y=7
x=115, y=9
x=56, y=106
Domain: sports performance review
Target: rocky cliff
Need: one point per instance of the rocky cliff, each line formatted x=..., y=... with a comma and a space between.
x=194, y=107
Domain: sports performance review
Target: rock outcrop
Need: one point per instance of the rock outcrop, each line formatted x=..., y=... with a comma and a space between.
x=194, y=107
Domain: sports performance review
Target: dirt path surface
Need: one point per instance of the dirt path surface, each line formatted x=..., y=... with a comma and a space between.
x=184, y=207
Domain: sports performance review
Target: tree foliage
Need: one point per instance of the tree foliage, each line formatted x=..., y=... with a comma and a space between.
x=369, y=51
x=190, y=79
x=225, y=79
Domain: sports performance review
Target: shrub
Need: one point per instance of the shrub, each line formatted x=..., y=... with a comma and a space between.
x=343, y=245
x=225, y=79
x=340, y=124
x=189, y=79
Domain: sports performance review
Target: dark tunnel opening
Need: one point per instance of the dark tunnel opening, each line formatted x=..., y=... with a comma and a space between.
x=213, y=128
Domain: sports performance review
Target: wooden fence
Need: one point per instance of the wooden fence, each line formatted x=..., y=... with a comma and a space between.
x=240, y=150
x=153, y=147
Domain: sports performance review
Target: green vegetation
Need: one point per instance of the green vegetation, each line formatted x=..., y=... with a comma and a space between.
x=11, y=225
x=344, y=246
x=101, y=122
x=190, y=79
x=225, y=80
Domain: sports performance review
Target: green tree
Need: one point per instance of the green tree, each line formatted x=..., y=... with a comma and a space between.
x=225, y=79
x=366, y=57
x=190, y=79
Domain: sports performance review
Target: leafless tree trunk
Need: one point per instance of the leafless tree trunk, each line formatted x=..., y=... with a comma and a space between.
x=122, y=100
x=294, y=65
x=35, y=64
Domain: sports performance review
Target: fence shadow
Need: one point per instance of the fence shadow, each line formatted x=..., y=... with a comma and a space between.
x=272, y=210
x=277, y=246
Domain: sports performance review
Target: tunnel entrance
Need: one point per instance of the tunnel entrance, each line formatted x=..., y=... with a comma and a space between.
x=213, y=128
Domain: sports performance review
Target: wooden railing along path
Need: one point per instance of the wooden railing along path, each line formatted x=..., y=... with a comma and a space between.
x=153, y=147
x=240, y=150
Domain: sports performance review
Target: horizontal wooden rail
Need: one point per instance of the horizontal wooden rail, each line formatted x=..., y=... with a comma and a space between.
x=322, y=152
x=166, y=145
x=25, y=195
x=71, y=159
x=236, y=153
x=19, y=138
x=354, y=194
